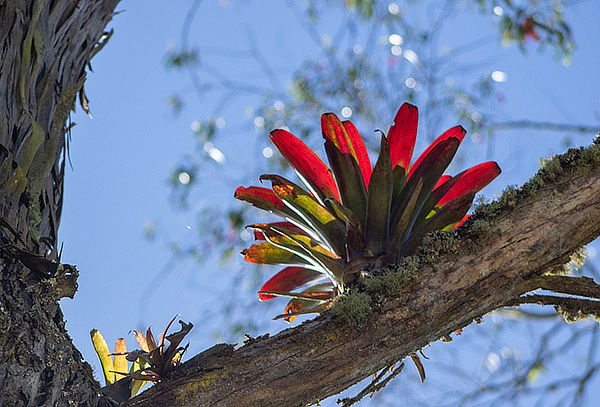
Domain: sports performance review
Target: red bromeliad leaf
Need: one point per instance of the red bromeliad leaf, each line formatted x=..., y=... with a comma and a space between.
x=473, y=179
x=334, y=131
x=447, y=215
x=463, y=220
x=298, y=307
x=434, y=163
x=349, y=179
x=457, y=132
x=303, y=306
x=306, y=162
x=266, y=253
x=319, y=296
x=403, y=134
x=258, y=235
x=288, y=279
x=262, y=198
x=360, y=151
x=443, y=179
x=346, y=138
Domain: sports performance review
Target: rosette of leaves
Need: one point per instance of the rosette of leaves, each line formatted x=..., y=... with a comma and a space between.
x=351, y=218
x=153, y=361
x=158, y=358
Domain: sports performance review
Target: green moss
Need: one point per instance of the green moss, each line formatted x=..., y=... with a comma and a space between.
x=190, y=390
x=481, y=226
x=391, y=278
x=352, y=308
x=34, y=217
x=436, y=244
x=580, y=160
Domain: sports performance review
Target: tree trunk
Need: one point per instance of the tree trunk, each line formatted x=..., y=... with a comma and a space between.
x=45, y=48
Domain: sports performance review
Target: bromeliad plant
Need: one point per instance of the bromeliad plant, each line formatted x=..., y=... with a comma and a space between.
x=354, y=218
x=151, y=363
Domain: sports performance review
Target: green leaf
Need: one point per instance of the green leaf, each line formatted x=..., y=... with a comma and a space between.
x=136, y=385
x=322, y=224
x=354, y=232
x=103, y=353
x=349, y=179
x=399, y=180
x=447, y=215
x=379, y=200
x=401, y=228
x=303, y=306
x=268, y=253
x=331, y=264
x=427, y=174
x=273, y=231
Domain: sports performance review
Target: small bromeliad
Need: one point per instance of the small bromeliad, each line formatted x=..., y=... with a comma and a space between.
x=354, y=218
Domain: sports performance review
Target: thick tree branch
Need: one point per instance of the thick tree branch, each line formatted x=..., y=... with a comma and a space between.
x=509, y=242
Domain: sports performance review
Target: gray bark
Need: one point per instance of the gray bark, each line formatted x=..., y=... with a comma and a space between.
x=45, y=46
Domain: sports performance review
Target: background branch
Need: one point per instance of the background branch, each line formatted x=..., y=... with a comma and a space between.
x=581, y=286
x=528, y=124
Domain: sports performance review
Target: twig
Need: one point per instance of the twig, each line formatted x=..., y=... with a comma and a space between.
x=373, y=387
x=576, y=306
x=517, y=124
x=580, y=286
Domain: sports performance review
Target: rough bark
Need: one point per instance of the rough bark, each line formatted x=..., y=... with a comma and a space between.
x=501, y=257
x=45, y=46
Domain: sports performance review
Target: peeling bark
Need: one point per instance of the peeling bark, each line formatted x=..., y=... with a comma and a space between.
x=45, y=46
x=488, y=270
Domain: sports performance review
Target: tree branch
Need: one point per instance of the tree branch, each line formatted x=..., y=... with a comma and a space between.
x=510, y=241
x=574, y=308
x=528, y=124
x=580, y=286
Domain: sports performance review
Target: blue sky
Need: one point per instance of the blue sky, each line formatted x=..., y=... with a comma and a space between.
x=123, y=156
